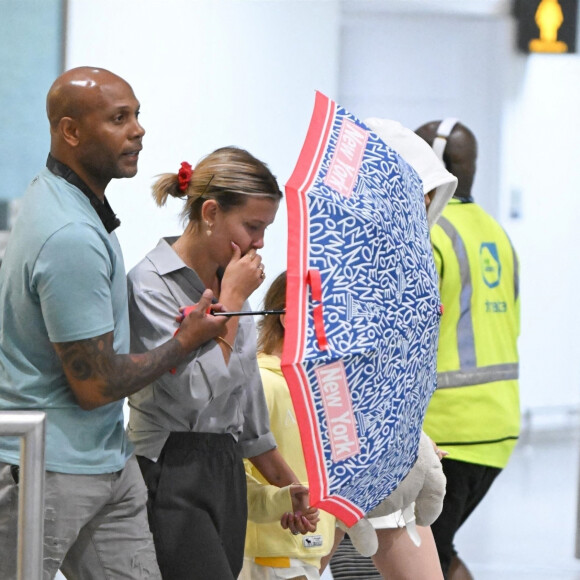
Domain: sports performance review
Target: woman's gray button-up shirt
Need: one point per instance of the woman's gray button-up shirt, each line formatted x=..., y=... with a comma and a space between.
x=204, y=395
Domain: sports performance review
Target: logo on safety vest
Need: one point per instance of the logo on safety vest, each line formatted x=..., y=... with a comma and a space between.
x=490, y=264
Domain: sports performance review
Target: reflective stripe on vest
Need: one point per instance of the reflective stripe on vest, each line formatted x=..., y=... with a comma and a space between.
x=478, y=375
x=469, y=373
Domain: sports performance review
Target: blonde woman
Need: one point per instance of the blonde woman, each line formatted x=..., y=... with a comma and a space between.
x=193, y=426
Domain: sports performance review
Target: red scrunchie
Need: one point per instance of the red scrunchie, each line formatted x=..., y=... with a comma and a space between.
x=184, y=175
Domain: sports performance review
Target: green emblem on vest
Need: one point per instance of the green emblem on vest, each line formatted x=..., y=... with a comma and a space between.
x=490, y=264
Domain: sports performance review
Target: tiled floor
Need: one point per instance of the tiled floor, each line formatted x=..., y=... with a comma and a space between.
x=525, y=528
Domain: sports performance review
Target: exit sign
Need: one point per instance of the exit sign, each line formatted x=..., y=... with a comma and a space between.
x=547, y=26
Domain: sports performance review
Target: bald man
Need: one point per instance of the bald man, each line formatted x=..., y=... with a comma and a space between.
x=474, y=413
x=64, y=339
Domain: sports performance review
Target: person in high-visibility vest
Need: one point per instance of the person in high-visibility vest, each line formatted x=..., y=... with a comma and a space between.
x=474, y=413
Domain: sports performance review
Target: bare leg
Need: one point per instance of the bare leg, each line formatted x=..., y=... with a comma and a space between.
x=338, y=535
x=458, y=570
x=399, y=559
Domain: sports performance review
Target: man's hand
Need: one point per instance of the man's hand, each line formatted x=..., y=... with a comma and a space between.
x=199, y=325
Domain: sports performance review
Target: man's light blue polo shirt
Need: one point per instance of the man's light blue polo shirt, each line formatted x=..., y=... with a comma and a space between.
x=62, y=279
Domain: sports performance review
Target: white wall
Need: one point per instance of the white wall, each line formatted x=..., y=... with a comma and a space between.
x=416, y=66
x=209, y=73
x=542, y=178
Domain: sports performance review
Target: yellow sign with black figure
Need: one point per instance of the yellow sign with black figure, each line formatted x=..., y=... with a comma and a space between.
x=547, y=26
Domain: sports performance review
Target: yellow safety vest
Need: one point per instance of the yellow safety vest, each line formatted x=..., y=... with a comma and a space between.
x=474, y=413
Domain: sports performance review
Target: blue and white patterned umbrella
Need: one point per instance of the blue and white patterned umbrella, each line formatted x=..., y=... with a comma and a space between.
x=362, y=309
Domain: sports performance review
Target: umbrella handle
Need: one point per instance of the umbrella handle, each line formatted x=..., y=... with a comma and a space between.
x=314, y=280
x=250, y=313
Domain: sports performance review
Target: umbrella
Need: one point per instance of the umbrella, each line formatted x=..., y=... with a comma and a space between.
x=362, y=310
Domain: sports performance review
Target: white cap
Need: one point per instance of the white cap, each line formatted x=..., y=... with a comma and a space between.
x=417, y=153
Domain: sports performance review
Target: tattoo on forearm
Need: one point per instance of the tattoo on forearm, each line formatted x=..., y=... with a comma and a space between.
x=86, y=359
x=116, y=376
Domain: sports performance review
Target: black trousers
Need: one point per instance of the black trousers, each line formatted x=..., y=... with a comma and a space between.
x=467, y=484
x=197, y=506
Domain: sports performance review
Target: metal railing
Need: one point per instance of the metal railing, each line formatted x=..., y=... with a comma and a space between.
x=30, y=426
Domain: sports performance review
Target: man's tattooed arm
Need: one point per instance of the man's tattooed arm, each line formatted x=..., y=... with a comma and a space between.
x=98, y=376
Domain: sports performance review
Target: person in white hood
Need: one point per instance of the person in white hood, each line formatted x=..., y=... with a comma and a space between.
x=406, y=551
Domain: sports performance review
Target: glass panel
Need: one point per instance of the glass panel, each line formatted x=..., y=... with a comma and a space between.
x=30, y=59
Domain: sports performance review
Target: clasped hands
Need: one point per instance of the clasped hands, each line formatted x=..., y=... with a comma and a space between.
x=303, y=518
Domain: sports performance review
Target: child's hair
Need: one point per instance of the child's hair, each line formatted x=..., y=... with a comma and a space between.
x=270, y=329
x=228, y=175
